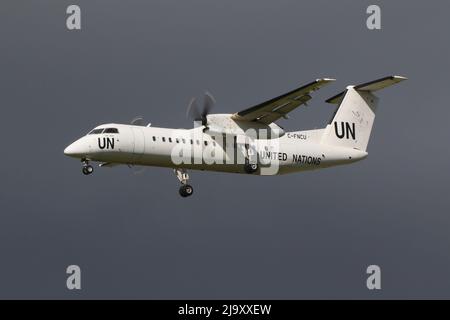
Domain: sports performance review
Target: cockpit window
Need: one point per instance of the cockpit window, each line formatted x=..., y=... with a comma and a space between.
x=96, y=131
x=111, y=130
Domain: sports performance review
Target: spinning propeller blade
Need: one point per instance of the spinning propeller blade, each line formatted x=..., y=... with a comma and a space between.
x=195, y=114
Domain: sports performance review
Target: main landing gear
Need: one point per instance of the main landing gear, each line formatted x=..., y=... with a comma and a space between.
x=251, y=165
x=186, y=190
x=87, y=168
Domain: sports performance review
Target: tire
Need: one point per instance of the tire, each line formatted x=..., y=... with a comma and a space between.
x=250, y=168
x=87, y=170
x=186, y=190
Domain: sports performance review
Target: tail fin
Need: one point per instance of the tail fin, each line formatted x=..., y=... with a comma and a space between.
x=353, y=119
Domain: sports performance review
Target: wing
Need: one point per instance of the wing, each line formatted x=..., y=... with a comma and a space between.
x=270, y=111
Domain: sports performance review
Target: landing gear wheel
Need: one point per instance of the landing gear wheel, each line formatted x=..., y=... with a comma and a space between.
x=186, y=190
x=88, y=169
x=250, y=168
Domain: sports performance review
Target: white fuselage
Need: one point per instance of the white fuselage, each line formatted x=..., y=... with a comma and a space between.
x=162, y=147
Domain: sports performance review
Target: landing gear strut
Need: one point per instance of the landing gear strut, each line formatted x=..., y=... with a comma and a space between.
x=251, y=165
x=186, y=190
x=87, y=168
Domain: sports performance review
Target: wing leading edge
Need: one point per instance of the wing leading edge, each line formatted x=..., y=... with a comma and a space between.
x=272, y=110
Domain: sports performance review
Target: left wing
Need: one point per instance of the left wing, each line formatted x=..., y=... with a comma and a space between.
x=270, y=111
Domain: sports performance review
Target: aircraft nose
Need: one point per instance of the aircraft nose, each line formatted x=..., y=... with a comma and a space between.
x=69, y=150
x=76, y=149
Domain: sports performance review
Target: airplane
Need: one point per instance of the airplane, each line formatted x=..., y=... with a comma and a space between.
x=248, y=141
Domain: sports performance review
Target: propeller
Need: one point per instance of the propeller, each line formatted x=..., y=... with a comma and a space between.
x=138, y=121
x=193, y=112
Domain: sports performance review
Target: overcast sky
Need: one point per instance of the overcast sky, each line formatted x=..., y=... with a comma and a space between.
x=305, y=235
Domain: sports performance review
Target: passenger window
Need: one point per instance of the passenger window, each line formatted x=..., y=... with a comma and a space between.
x=154, y=138
x=198, y=142
x=184, y=141
x=163, y=139
x=206, y=143
x=170, y=140
x=177, y=140
x=111, y=130
x=192, y=141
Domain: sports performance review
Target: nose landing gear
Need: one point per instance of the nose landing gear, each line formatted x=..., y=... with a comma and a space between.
x=186, y=190
x=87, y=168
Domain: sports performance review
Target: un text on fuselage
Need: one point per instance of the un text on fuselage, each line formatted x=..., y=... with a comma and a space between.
x=106, y=143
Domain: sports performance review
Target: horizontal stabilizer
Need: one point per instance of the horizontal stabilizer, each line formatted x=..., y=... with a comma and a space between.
x=369, y=86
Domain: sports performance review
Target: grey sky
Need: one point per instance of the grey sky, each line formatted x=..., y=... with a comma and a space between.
x=308, y=235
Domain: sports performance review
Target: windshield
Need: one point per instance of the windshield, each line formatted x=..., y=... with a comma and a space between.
x=111, y=130
x=96, y=131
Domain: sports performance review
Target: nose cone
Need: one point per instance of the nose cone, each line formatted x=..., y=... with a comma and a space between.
x=77, y=149
x=70, y=150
